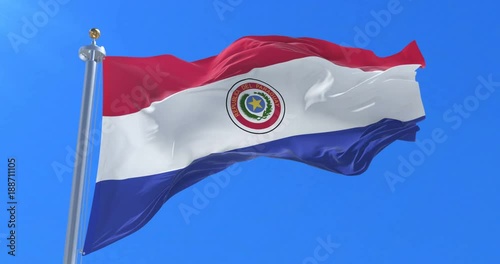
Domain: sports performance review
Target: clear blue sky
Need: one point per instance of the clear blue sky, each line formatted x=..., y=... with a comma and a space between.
x=444, y=209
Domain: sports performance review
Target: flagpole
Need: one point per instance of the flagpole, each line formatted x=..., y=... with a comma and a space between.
x=92, y=55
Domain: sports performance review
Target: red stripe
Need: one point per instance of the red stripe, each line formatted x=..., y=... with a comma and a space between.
x=131, y=84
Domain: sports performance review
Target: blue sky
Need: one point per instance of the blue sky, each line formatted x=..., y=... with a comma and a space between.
x=443, y=209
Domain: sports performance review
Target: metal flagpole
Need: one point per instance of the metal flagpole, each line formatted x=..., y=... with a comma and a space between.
x=91, y=54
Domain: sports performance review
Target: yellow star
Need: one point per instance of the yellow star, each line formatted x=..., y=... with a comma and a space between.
x=255, y=103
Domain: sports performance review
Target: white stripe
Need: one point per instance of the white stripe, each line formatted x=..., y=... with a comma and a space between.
x=319, y=97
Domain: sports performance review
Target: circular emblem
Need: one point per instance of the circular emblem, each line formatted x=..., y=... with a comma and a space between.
x=255, y=106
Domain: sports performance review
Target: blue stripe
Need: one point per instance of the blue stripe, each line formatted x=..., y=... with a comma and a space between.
x=121, y=207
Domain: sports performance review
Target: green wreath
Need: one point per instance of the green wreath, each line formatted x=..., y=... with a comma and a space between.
x=267, y=111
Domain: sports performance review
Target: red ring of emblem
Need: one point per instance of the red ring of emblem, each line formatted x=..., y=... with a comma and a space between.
x=274, y=97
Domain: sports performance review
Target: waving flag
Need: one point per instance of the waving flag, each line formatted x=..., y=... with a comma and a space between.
x=170, y=123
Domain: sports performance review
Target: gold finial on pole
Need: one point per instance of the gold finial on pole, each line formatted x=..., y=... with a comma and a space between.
x=94, y=33
x=92, y=51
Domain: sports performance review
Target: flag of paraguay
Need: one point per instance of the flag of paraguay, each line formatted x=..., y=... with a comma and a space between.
x=169, y=123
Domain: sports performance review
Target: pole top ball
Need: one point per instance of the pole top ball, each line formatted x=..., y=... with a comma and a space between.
x=94, y=33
